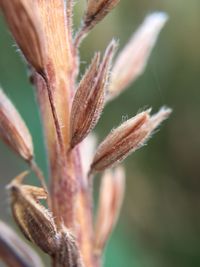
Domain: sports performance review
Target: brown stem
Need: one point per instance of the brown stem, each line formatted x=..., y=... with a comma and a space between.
x=54, y=113
x=35, y=168
x=82, y=32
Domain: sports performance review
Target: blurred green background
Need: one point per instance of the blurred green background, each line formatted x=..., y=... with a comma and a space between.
x=160, y=221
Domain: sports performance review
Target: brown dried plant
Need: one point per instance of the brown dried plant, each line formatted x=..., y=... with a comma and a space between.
x=70, y=109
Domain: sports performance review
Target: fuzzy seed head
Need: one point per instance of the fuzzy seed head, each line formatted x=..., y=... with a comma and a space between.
x=89, y=98
x=64, y=229
x=120, y=142
x=127, y=138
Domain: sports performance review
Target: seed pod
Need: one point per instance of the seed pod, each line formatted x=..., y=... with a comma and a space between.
x=110, y=201
x=68, y=254
x=97, y=10
x=14, y=252
x=120, y=142
x=80, y=97
x=38, y=226
x=24, y=23
x=132, y=60
x=89, y=98
x=34, y=220
x=128, y=137
x=13, y=129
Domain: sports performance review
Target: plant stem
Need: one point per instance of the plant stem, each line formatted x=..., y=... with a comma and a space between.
x=35, y=168
x=54, y=113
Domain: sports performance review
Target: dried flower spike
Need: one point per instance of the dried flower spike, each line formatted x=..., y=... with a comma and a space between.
x=110, y=201
x=23, y=21
x=14, y=252
x=13, y=129
x=89, y=98
x=128, y=137
x=64, y=230
x=132, y=60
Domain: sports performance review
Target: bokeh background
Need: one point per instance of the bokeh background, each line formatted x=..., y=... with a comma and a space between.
x=160, y=220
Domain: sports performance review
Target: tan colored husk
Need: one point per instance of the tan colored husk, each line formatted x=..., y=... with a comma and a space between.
x=86, y=109
x=34, y=220
x=38, y=225
x=95, y=12
x=132, y=60
x=127, y=138
x=89, y=98
x=24, y=23
x=81, y=96
x=13, y=129
x=68, y=254
x=120, y=142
